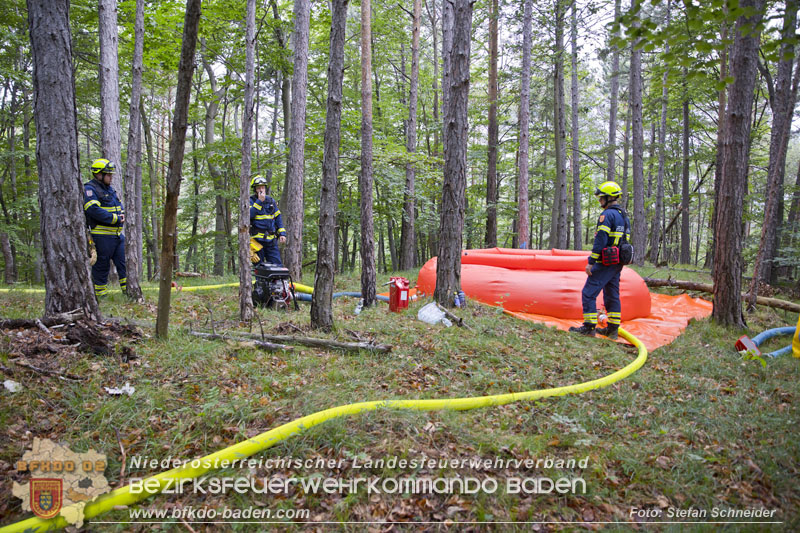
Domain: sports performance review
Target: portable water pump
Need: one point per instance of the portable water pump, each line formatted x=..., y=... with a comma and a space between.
x=273, y=287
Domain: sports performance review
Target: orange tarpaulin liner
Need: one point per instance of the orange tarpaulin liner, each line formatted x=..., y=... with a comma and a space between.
x=545, y=286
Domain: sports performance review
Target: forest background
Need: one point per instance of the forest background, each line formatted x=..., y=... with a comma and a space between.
x=684, y=72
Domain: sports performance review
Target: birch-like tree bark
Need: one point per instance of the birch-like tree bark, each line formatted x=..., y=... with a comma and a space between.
x=66, y=267
x=685, y=192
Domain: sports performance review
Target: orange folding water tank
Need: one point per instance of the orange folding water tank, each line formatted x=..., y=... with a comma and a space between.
x=546, y=282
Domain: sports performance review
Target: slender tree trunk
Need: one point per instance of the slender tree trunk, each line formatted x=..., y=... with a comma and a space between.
x=658, y=216
x=433, y=17
x=524, y=126
x=368, y=276
x=153, y=181
x=686, y=254
x=782, y=103
x=293, y=208
x=66, y=269
x=176, y=149
x=612, y=119
x=560, y=196
x=625, y=158
x=407, y=232
x=577, y=241
x=109, y=84
x=639, y=236
x=727, y=272
x=491, y=172
x=245, y=278
x=133, y=166
x=722, y=111
x=457, y=24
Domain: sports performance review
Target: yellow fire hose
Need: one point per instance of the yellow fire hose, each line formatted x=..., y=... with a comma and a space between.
x=241, y=450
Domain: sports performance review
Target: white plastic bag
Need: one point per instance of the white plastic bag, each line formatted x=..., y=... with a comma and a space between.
x=431, y=314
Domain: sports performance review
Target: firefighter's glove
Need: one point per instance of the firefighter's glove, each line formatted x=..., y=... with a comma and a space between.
x=92, y=253
x=255, y=247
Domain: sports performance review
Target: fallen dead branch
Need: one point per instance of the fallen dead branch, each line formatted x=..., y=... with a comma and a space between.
x=318, y=343
x=269, y=346
x=49, y=321
x=36, y=369
x=189, y=274
x=458, y=321
x=708, y=288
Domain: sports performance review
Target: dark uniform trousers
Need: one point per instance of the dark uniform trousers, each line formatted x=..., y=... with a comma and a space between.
x=606, y=279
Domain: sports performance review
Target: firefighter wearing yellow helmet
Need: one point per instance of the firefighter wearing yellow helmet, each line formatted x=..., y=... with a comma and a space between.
x=105, y=217
x=266, y=224
x=603, y=270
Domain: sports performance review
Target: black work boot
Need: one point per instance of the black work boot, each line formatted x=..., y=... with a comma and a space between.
x=610, y=331
x=586, y=329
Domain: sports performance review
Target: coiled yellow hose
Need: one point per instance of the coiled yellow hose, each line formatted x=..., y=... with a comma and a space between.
x=241, y=450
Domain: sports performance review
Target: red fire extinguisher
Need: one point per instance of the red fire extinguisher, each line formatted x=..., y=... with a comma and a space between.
x=398, y=294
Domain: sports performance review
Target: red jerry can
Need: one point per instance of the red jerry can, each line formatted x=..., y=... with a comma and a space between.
x=398, y=294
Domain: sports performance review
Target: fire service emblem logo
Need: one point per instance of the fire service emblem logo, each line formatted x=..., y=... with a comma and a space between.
x=46, y=497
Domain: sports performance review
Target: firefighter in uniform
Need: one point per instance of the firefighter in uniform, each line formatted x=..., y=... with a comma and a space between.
x=612, y=226
x=266, y=224
x=105, y=216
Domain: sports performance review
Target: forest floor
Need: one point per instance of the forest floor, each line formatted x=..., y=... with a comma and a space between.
x=697, y=433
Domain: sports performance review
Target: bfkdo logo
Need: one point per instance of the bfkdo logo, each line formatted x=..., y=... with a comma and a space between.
x=46, y=497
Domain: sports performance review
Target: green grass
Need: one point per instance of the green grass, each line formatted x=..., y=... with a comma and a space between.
x=697, y=426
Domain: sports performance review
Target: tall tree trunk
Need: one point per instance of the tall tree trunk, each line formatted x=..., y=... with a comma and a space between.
x=686, y=255
x=721, y=113
x=523, y=227
x=245, y=278
x=625, y=158
x=368, y=275
x=457, y=24
x=433, y=17
x=612, y=119
x=176, y=149
x=494, y=129
x=109, y=84
x=293, y=208
x=220, y=227
x=133, y=166
x=407, y=232
x=64, y=244
x=727, y=272
x=560, y=196
x=782, y=103
x=322, y=299
x=639, y=237
x=658, y=216
x=577, y=241
x=153, y=181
